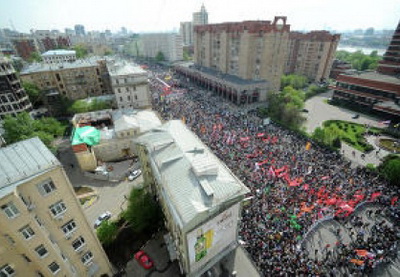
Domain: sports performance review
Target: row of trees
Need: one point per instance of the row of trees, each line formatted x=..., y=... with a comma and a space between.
x=359, y=60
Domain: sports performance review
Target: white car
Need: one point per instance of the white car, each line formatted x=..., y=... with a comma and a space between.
x=134, y=174
x=104, y=216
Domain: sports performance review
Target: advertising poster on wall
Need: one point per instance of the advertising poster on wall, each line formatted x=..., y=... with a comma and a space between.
x=212, y=237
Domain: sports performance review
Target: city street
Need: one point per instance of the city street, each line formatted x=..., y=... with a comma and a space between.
x=111, y=195
x=320, y=111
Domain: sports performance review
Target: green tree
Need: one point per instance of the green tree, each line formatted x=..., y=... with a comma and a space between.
x=142, y=213
x=186, y=55
x=35, y=57
x=83, y=106
x=107, y=232
x=81, y=51
x=293, y=80
x=160, y=56
x=23, y=127
x=359, y=60
x=108, y=52
x=33, y=92
x=390, y=169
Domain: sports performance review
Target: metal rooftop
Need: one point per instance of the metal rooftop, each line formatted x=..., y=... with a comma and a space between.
x=195, y=182
x=122, y=68
x=43, y=67
x=23, y=160
x=59, y=52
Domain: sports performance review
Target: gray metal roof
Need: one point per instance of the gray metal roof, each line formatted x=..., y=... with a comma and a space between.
x=23, y=160
x=144, y=120
x=59, y=52
x=194, y=180
x=43, y=67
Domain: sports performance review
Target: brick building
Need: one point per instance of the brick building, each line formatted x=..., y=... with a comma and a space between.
x=25, y=47
x=311, y=54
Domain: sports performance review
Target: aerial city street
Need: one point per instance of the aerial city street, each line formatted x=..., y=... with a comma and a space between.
x=201, y=139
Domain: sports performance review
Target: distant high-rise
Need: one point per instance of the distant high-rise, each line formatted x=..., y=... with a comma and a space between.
x=186, y=32
x=390, y=63
x=124, y=31
x=79, y=30
x=201, y=17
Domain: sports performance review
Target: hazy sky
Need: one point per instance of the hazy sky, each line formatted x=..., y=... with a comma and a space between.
x=163, y=15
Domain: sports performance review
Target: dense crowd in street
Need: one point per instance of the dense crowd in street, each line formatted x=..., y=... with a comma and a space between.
x=294, y=183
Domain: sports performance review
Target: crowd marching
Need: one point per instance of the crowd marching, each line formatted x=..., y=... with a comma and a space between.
x=295, y=183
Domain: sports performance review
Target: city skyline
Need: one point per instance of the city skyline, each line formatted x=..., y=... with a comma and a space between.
x=98, y=15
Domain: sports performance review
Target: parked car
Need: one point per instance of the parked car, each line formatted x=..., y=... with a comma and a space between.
x=355, y=116
x=143, y=259
x=134, y=174
x=103, y=217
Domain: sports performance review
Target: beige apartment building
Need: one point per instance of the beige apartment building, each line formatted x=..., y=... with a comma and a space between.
x=251, y=50
x=311, y=54
x=75, y=80
x=43, y=231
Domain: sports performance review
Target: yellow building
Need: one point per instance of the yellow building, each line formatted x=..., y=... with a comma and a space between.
x=251, y=50
x=311, y=54
x=43, y=231
x=74, y=80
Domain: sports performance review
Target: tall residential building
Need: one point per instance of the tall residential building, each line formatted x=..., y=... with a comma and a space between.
x=129, y=84
x=43, y=230
x=186, y=32
x=199, y=195
x=13, y=98
x=75, y=80
x=170, y=44
x=251, y=50
x=390, y=63
x=80, y=30
x=50, y=40
x=25, y=46
x=311, y=54
x=201, y=17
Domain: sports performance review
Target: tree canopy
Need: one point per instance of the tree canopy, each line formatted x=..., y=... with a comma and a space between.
x=35, y=57
x=83, y=106
x=390, y=169
x=293, y=80
x=33, y=93
x=107, y=232
x=81, y=51
x=22, y=127
x=160, y=56
x=359, y=60
x=143, y=212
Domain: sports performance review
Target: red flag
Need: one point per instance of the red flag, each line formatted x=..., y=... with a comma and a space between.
x=375, y=195
x=394, y=200
x=260, y=135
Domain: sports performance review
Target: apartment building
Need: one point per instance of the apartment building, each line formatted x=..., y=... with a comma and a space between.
x=49, y=40
x=250, y=50
x=13, y=98
x=311, y=54
x=59, y=56
x=201, y=17
x=74, y=80
x=186, y=32
x=170, y=44
x=43, y=231
x=129, y=84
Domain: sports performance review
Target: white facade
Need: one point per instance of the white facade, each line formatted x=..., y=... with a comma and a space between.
x=170, y=44
x=59, y=56
x=129, y=84
x=186, y=32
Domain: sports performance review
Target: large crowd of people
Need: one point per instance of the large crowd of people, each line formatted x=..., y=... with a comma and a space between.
x=294, y=183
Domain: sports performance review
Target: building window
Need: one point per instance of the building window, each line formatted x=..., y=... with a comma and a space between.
x=87, y=258
x=78, y=243
x=135, y=97
x=54, y=267
x=10, y=210
x=69, y=227
x=129, y=98
x=41, y=251
x=58, y=208
x=46, y=187
x=7, y=271
x=27, y=232
x=10, y=239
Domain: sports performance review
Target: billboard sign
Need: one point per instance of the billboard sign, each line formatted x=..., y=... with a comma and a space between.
x=207, y=240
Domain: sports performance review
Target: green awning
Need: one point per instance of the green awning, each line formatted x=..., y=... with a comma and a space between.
x=87, y=134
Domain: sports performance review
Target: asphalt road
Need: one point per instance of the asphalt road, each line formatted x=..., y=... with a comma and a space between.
x=320, y=111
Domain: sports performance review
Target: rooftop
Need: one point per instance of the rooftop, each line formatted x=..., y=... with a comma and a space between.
x=195, y=182
x=23, y=160
x=59, y=52
x=118, y=68
x=43, y=67
x=144, y=120
x=375, y=76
